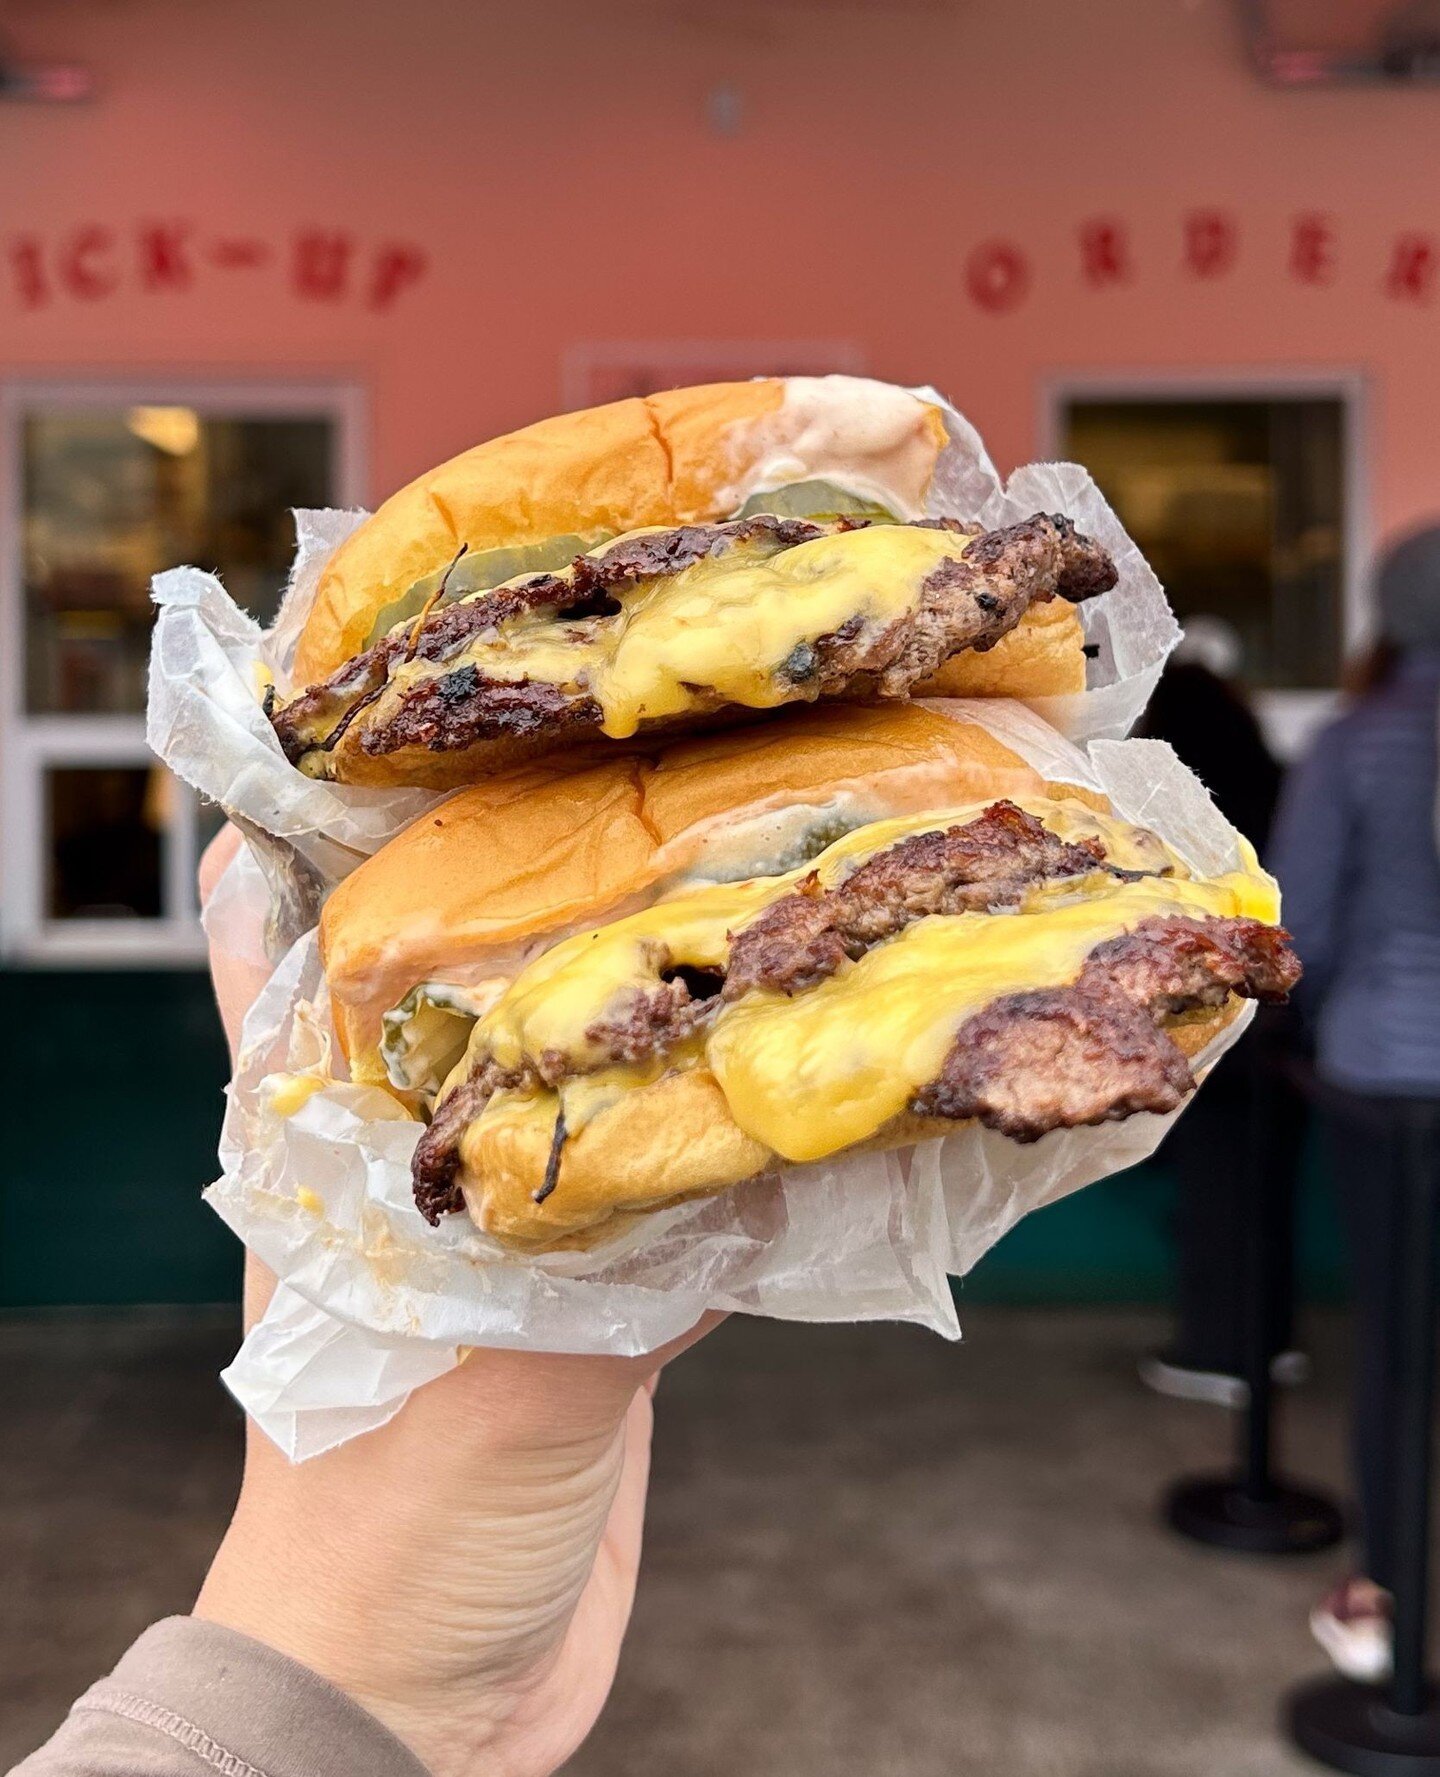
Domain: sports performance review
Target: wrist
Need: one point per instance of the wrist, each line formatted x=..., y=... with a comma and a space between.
x=436, y=1579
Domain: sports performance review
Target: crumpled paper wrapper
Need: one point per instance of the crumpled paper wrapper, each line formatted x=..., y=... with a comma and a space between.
x=209, y=660
x=373, y=1302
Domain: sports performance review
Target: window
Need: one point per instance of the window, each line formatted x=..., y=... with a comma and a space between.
x=1244, y=502
x=104, y=824
x=106, y=487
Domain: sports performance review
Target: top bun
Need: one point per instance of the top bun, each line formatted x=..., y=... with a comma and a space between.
x=530, y=855
x=675, y=458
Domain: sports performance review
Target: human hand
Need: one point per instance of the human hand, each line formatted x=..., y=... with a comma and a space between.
x=466, y=1572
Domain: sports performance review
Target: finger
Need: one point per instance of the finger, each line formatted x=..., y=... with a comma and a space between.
x=626, y=1521
x=237, y=968
x=260, y=1285
x=215, y=859
x=707, y=1323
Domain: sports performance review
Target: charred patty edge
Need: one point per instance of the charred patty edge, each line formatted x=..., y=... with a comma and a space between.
x=968, y=603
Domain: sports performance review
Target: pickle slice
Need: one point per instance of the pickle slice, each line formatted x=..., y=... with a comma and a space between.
x=423, y=1038
x=820, y=500
x=483, y=569
x=480, y=570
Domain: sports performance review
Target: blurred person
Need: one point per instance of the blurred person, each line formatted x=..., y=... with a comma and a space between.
x=446, y=1595
x=1200, y=710
x=1356, y=853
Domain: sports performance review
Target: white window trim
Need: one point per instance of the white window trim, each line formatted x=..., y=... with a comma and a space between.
x=1289, y=718
x=29, y=744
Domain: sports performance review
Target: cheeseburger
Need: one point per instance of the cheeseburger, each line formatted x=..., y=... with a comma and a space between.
x=657, y=975
x=666, y=564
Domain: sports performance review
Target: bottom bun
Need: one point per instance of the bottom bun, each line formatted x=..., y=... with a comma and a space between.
x=656, y=1145
x=1043, y=656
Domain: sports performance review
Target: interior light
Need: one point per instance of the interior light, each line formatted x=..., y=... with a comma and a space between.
x=175, y=430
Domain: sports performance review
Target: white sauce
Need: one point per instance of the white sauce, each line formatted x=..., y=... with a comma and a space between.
x=871, y=438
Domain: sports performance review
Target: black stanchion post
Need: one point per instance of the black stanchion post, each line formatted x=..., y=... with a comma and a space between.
x=1250, y=1511
x=1394, y=1730
x=1270, y=1213
x=1416, y=1391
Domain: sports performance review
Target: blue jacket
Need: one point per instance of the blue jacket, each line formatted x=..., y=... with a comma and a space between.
x=1355, y=850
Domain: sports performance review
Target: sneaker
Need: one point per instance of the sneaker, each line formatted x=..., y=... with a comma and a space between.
x=1222, y=1388
x=1353, y=1625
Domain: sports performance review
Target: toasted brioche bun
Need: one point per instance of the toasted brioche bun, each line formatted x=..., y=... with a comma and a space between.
x=533, y=854
x=1043, y=656
x=672, y=458
x=656, y=1145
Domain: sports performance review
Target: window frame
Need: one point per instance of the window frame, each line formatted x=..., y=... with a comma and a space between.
x=1289, y=718
x=31, y=744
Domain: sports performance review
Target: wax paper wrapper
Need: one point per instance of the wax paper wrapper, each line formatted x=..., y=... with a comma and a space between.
x=374, y=1302
x=210, y=659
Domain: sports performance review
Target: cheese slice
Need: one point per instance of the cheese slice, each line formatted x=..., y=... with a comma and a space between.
x=808, y=1075
x=813, y=1074
x=552, y=1003
x=732, y=628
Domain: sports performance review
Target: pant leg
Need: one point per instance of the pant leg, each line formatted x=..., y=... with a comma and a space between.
x=1247, y=1119
x=1362, y=1150
x=1211, y=1189
x=1284, y=1121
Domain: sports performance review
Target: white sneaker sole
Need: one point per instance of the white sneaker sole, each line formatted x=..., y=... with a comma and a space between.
x=1357, y=1650
x=1287, y=1370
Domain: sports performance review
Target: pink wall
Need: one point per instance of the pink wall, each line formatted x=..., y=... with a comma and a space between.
x=554, y=165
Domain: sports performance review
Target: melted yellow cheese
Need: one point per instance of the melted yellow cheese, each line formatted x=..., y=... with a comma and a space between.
x=720, y=630
x=810, y=1075
x=552, y=1003
x=286, y=1093
x=731, y=632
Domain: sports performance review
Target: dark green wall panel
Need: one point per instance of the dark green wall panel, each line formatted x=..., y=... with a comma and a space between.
x=114, y=1088
x=114, y=1111
x=1111, y=1242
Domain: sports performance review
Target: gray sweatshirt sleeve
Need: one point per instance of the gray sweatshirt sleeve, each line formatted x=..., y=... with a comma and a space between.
x=191, y=1699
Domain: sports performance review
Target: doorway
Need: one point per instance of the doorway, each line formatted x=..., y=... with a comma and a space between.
x=1246, y=502
x=102, y=484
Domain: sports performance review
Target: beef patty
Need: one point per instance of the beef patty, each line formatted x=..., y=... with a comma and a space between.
x=968, y=602
x=981, y=867
x=1029, y=1062
x=1095, y=1051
